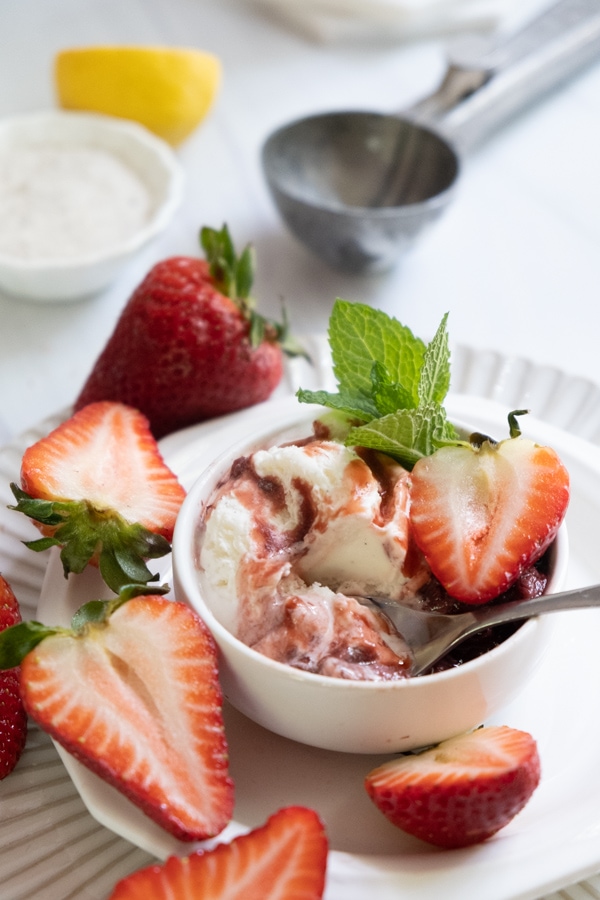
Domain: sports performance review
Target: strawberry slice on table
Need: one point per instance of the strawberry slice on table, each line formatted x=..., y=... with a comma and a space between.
x=98, y=487
x=132, y=692
x=284, y=859
x=483, y=512
x=462, y=791
x=189, y=344
x=13, y=718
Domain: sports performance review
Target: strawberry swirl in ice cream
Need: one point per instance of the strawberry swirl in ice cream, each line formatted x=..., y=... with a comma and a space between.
x=294, y=532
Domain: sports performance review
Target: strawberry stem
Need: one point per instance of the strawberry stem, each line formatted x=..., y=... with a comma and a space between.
x=234, y=276
x=513, y=425
x=85, y=534
x=98, y=611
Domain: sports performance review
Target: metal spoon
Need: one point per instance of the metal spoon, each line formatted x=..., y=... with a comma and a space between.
x=357, y=187
x=430, y=635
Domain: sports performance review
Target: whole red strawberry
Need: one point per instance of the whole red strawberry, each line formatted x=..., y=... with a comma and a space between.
x=189, y=345
x=13, y=720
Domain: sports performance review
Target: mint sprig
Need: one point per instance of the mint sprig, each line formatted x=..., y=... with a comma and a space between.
x=391, y=385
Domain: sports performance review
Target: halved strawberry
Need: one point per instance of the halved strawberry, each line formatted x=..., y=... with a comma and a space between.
x=98, y=487
x=132, y=692
x=284, y=859
x=462, y=791
x=483, y=513
x=13, y=719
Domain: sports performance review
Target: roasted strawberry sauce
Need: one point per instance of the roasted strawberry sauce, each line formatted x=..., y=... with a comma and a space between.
x=291, y=612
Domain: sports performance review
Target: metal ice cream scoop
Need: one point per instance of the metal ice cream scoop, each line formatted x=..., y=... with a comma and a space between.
x=430, y=635
x=357, y=187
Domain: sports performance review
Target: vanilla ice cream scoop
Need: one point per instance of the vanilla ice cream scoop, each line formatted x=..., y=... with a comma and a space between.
x=292, y=534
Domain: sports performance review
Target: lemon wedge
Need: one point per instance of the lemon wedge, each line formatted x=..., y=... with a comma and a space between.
x=169, y=90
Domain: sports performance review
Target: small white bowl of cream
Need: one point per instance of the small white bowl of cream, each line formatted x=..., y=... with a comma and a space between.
x=80, y=194
x=379, y=715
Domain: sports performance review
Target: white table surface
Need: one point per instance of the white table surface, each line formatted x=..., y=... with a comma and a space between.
x=515, y=259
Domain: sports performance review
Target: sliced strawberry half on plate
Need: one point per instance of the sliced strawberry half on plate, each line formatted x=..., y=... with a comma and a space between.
x=462, y=791
x=132, y=692
x=284, y=859
x=483, y=513
x=98, y=487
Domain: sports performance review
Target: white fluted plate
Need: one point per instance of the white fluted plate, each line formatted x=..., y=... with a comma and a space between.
x=51, y=846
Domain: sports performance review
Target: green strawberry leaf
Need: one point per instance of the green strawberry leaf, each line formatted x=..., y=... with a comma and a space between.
x=280, y=332
x=233, y=276
x=18, y=640
x=41, y=544
x=43, y=511
x=98, y=611
x=244, y=272
x=92, y=612
x=84, y=533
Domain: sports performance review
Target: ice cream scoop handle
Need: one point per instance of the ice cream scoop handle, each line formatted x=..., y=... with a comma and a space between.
x=480, y=91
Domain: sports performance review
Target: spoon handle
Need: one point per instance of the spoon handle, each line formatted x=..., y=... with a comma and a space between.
x=510, y=612
x=481, y=90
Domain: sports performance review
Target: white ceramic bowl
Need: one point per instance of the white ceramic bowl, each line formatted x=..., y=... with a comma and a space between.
x=55, y=278
x=342, y=715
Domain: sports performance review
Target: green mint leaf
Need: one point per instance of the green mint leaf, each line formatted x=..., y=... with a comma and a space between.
x=360, y=336
x=356, y=405
x=406, y=435
x=389, y=396
x=434, y=380
x=389, y=381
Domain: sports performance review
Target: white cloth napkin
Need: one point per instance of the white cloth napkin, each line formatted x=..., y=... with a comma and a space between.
x=338, y=20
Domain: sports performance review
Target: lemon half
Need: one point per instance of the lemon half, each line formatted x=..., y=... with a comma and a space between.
x=169, y=90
